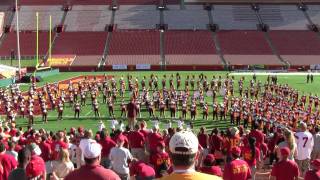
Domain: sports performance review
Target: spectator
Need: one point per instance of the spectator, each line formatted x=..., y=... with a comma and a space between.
x=251, y=154
x=11, y=151
x=209, y=166
x=137, y=143
x=305, y=144
x=19, y=173
x=160, y=159
x=87, y=138
x=141, y=171
x=119, y=157
x=107, y=144
x=92, y=168
x=237, y=169
x=63, y=166
x=36, y=168
x=153, y=139
x=285, y=169
x=132, y=113
x=316, y=148
x=7, y=161
x=315, y=172
x=183, y=152
x=289, y=141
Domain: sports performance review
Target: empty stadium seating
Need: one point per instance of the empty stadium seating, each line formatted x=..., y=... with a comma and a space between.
x=63, y=2
x=234, y=17
x=284, y=17
x=246, y=47
x=297, y=47
x=137, y=17
x=27, y=44
x=193, y=17
x=80, y=43
x=134, y=47
x=190, y=47
x=140, y=2
x=88, y=18
x=314, y=13
x=27, y=16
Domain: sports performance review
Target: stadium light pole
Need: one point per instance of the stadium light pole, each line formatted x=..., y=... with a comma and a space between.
x=18, y=38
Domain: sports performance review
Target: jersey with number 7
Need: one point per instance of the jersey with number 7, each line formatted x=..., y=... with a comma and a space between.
x=304, y=142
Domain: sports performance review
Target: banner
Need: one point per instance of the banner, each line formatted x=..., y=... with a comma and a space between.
x=61, y=60
x=143, y=66
x=119, y=67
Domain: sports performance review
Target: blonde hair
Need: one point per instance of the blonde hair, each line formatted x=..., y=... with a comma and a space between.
x=290, y=139
x=64, y=155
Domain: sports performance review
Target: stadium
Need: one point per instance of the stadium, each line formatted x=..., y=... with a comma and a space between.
x=217, y=68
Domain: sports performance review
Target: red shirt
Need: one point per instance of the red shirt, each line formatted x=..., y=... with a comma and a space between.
x=144, y=132
x=45, y=151
x=285, y=170
x=214, y=170
x=247, y=156
x=56, y=147
x=232, y=142
x=216, y=142
x=237, y=169
x=154, y=139
x=107, y=144
x=141, y=170
x=203, y=140
x=95, y=172
x=8, y=163
x=259, y=137
x=132, y=110
x=158, y=159
x=136, y=139
x=312, y=175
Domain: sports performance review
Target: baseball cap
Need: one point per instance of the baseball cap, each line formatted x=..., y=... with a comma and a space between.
x=35, y=149
x=35, y=167
x=285, y=151
x=209, y=159
x=236, y=151
x=92, y=150
x=183, y=142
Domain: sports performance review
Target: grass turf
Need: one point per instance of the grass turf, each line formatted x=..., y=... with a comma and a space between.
x=87, y=119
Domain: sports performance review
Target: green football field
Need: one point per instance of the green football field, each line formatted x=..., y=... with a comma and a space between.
x=88, y=120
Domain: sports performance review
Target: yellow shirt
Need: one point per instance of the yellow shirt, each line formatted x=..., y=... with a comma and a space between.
x=190, y=176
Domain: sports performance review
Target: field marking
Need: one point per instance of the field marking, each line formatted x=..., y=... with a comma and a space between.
x=88, y=113
x=276, y=73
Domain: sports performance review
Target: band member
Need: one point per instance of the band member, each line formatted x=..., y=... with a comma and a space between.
x=193, y=110
x=110, y=106
x=205, y=111
x=44, y=112
x=150, y=109
x=96, y=108
x=172, y=108
x=22, y=108
x=162, y=107
x=30, y=110
x=138, y=107
x=215, y=110
x=77, y=109
x=184, y=109
x=123, y=107
x=60, y=110
x=222, y=112
x=83, y=98
x=71, y=99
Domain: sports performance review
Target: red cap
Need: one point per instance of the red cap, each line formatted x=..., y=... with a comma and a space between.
x=236, y=151
x=35, y=167
x=316, y=163
x=285, y=151
x=121, y=138
x=209, y=158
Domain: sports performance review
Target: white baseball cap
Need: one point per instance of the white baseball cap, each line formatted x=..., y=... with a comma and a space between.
x=92, y=150
x=184, y=142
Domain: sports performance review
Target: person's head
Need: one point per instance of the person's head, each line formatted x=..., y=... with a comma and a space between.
x=64, y=155
x=120, y=140
x=209, y=160
x=202, y=130
x=92, y=153
x=303, y=126
x=88, y=134
x=236, y=152
x=24, y=156
x=137, y=127
x=160, y=147
x=285, y=152
x=34, y=149
x=11, y=145
x=183, y=149
x=289, y=138
x=2, y=148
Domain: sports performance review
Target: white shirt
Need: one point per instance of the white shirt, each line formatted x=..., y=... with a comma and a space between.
x=305, y=144
x=119, y=159
x=83, y=144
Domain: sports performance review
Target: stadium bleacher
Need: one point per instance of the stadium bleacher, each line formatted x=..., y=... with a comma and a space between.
x=314, y=13
x=88, y=18
x=297, y=47
x=134, y=47
x=27, y=15
x=137, y=17
x=27, y=43
x=246, y=47
x=192, y=17
x=190, y=47
x=284, y=17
